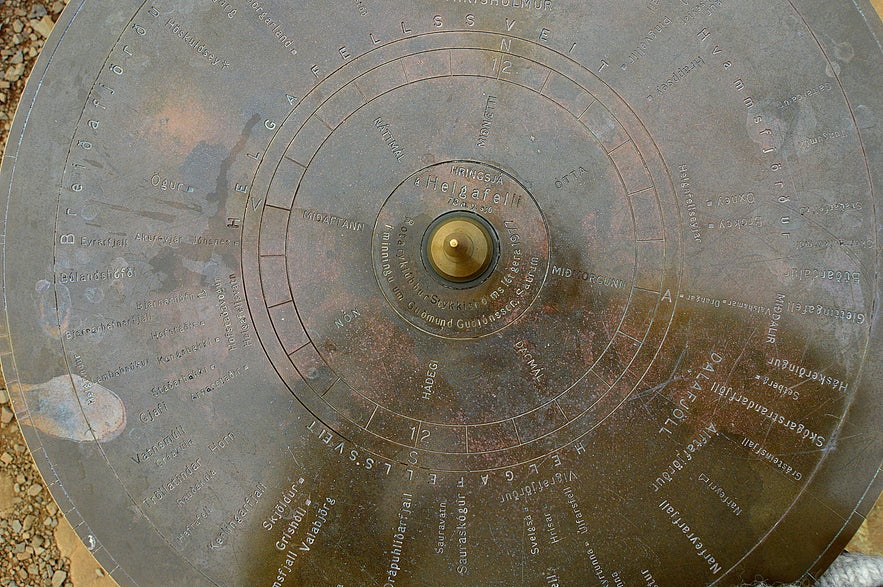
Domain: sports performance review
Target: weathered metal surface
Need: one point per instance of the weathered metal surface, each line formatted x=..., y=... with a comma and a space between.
x=235, y=363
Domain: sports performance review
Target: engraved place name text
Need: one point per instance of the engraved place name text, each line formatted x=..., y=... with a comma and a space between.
x=462, y=194
x=774, y=459
x=691, y=535
x=540, y=5
x=392, y=144
x=172, y=300
x=198, y=45
x=487, y=120
x=677, y=76
x=398, y=541
x=171, y=445
x=427, y=388
x=107, y=326
x=187, y=473
x=172, y=384
x=726, y=499
x=602, y=280
x=332, y=220
x=234, y=522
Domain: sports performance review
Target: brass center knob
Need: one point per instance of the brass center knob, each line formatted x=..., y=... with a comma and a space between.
x=460, y=249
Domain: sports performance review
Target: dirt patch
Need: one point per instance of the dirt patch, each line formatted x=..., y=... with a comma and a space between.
x=84, y=571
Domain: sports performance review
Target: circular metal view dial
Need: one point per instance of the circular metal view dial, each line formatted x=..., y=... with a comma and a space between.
x=500, y=292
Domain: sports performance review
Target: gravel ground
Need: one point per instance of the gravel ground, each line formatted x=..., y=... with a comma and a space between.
x=24, y=26
x=37, y=545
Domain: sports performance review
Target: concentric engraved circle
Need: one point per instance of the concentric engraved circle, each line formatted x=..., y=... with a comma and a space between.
x=407, y=350
x=408, y=281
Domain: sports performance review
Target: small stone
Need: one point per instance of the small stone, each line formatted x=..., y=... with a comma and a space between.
x=5, y=413
x=44, y=26
x=19, y=57
x=35, y=489
x=17, y=26
x=52, y=509
x=37, y=11
x=17, y=39
x=58, y=578
x=29, y=523
x=4, y=395
x=13, y=73
x=6, y=458
x=16, y=526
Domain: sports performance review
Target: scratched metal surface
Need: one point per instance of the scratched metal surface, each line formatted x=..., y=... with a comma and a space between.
x=235, y=364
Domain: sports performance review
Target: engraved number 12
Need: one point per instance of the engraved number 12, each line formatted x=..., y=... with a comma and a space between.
x=424, y=434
